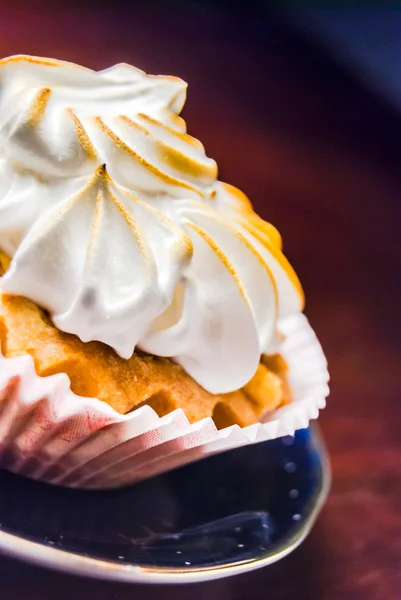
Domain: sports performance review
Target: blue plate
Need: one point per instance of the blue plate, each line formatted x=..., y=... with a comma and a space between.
x=224, y=515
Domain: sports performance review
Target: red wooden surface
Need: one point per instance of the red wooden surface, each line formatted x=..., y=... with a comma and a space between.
x=319, y=156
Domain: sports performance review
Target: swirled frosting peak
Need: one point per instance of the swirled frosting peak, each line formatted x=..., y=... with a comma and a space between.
x=117, y=225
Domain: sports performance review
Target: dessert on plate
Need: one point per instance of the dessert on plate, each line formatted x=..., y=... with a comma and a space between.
x=125, y=262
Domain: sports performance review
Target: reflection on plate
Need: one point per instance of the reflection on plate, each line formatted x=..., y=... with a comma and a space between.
x=227, y=514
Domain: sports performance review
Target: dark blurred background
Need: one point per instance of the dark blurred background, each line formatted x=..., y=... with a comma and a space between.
x=300, y=106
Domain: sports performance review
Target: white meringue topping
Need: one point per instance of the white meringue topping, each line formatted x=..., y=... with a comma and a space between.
x=118, y=226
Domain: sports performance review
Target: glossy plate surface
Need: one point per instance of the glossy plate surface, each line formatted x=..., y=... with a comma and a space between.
x=227, y=514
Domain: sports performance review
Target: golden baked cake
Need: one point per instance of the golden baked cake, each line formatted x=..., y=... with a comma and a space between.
x=96, y=371
x=125, y=263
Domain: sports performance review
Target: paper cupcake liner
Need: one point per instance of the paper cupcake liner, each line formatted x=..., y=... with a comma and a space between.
x=49, y=433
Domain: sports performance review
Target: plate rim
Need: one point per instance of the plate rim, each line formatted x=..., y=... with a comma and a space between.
x=96, y=568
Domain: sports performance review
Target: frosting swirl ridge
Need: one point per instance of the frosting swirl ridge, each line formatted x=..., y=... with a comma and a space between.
x=117, y=224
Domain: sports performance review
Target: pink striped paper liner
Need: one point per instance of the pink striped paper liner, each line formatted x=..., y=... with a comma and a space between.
x=49, y=433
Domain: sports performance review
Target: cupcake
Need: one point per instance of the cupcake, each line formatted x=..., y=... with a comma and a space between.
x=127, y=267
